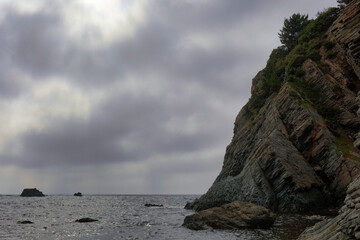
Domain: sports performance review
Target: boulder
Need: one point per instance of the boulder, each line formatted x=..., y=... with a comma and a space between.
x=78, y=194
x=85, y=220
x=31, y=192
x=345, y=226
x=235, y=215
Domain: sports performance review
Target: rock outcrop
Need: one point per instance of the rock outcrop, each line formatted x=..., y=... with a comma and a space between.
x=31, y=192
x=78, y=194
x=286, y=155
x=345, y=226
x=235, y=215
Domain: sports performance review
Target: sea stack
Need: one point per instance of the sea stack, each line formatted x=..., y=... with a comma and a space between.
x=31, y=192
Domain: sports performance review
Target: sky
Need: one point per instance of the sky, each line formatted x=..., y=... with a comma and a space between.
x=128, y=96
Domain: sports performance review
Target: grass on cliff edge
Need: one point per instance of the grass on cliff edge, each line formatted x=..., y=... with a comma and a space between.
x=345, y=145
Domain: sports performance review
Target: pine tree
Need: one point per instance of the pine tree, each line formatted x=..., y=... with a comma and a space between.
x=292, y=29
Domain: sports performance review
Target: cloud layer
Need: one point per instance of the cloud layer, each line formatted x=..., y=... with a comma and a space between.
x=120, y=97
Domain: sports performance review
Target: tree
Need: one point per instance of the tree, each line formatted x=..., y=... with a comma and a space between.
x=292, y=29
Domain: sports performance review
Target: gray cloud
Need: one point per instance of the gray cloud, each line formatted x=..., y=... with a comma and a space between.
x=170, y=92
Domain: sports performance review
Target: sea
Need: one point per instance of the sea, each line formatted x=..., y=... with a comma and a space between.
x=123, y=217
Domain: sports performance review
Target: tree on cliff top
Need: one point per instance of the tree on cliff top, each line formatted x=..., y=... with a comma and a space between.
x=292, y=29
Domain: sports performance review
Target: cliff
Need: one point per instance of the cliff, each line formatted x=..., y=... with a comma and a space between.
x=296, y=142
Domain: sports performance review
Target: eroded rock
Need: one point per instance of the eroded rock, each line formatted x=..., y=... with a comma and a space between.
x=235, y=215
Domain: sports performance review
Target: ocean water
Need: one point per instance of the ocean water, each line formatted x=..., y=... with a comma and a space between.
x=121, y=217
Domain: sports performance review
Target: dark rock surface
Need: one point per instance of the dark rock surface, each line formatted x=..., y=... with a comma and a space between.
x=25, y=222
x=235, y=215
x=85, y=220
x=286, y=157
x=31, y=192
x=345, y=226
x=152, y=205
x=78, y=194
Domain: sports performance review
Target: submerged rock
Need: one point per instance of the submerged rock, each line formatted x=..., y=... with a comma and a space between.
x=25, y=222
x=31, y=192
x=85, y=220
x=235, y=215
x=345, y=226
x=153, y=205
x=78, y=194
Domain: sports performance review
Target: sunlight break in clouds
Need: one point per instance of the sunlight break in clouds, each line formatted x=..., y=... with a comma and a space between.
x=90, y=23
x=95, y=23
x=45, y=102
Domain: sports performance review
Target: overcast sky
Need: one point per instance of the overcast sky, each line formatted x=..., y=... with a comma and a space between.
x=126, y=97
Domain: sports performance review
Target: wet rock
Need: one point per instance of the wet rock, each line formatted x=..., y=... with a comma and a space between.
x=235, y=215
x=31, y=192
x=152, y=205
x=85, y=220
x=78, y=194
x=25, y=222
x=345, y=225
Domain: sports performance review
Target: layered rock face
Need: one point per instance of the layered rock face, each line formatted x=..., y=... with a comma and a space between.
x=287, y=157
x=345, y=226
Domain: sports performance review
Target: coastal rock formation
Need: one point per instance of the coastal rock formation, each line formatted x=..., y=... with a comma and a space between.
x=31, y=192
x=299, y=150
x=345, y=226
x=235, y=215
x=78, y=194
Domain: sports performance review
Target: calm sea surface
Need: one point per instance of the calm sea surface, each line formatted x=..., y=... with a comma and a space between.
x=121, y=217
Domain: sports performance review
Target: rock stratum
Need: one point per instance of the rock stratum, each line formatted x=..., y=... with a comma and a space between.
x=299, y=151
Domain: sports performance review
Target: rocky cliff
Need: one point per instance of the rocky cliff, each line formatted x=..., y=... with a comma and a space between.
x=298, y=149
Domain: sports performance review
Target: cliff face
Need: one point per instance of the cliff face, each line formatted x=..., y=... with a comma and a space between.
x=288, y=156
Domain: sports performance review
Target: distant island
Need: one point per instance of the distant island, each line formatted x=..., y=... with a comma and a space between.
x=31, y=192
